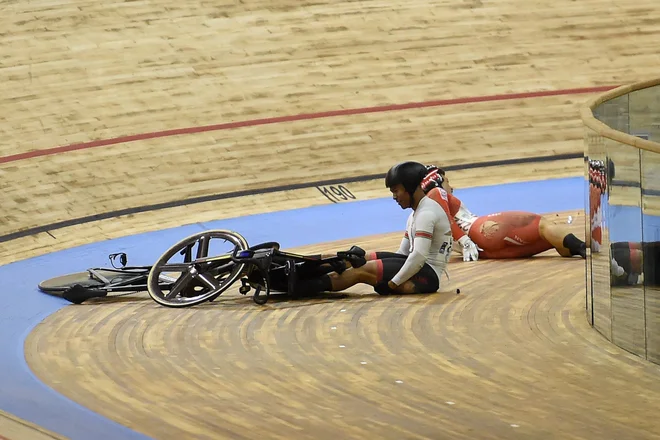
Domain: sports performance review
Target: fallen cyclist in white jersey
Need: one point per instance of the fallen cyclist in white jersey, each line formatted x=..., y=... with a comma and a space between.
x=418, y=265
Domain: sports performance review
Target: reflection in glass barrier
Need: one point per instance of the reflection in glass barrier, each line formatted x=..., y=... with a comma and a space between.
x=651, y=250
x=614, y=113
x=589, y=298
x=624, y=220
x=599, y=239
x=627, y=263
x=597, y=202
x=623, y=213
x=643, y=109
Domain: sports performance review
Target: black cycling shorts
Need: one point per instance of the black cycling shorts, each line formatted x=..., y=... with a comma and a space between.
x=390, y=263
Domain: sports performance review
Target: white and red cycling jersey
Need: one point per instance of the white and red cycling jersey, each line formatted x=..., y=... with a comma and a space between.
x=428, y=236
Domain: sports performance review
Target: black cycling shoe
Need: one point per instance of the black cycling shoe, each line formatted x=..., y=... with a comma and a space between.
x=357, y=250
x=355, y=255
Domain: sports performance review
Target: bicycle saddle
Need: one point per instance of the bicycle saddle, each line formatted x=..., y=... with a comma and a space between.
x=265, y=245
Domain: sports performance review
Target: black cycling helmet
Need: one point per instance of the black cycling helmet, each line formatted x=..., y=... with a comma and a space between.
x=409, y=174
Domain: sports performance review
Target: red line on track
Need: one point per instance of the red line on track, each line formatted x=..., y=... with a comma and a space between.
x=300, y=117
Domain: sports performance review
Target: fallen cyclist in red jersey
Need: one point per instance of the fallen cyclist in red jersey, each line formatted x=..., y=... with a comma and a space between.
x=502, y=235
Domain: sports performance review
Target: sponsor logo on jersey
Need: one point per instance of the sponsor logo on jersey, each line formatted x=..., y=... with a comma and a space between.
x=515, y=240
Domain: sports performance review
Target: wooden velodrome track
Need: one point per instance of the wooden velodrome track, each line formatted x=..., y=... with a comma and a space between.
x=514, y=358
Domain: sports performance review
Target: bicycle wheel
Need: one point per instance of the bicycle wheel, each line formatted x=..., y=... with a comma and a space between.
x=202, y=277
x=101, y=279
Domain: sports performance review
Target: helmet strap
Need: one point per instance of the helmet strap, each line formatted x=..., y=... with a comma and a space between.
x=412, y=198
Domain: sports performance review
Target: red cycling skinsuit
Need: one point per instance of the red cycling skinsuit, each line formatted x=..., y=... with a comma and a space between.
x=511, y=234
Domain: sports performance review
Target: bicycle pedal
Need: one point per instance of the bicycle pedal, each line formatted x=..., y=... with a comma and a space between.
x=245, y=288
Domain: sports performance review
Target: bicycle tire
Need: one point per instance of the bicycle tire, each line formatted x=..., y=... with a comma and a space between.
x=155, y=291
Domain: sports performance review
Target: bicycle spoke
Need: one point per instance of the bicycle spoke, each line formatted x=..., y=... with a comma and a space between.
x=187, y=253
x=210, y=282
x=176, y=267
x=179, y=285
x=203, y=247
